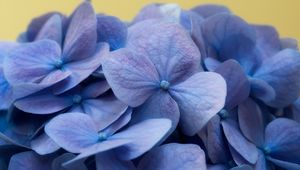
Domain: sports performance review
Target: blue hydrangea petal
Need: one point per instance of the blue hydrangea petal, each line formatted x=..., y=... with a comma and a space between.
x=261, y=162
x=239, y=143
x=211, y=64
x=141, y=141
x=289, y=43
x=296, y=110
x=122, y=121
x=95, y=89
x=31, y=67
x=260, y=89
x=82, y=69
x=131, y=76
x=216, y=146
x=43, y=104
x=43, y=145
x=72, y=131
x=251, y=122
x=199, y=98
x=98, y=148
x=111, y=30
x=104, y=110
x=172, y=156
x=230, y=37
x=217, y=167
x=169, y=47
x=282, y=139
x=238, y=86
x=30, y=160
x=6, y=95
x=57, y=163
x=36, y=25
x=81, y=36
x=109, y=161
x=267, y=40
x=210, y=10
x=282, y=72
x=237, y=157
x=52, y=29
x=159, y=105
x=242, y=167
x=284, y=164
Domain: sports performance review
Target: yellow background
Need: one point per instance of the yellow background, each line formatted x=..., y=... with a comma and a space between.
x=283, y=14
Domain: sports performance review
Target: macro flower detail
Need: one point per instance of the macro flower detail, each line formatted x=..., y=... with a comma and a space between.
x=161, y=70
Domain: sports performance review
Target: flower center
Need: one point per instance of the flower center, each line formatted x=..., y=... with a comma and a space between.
x=164, y=85
x=223, y=114
x=59, y=65
x=77, y=99
x=266, y=150
x=102, y=136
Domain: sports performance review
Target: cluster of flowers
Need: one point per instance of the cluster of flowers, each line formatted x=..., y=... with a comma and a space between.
x=172, y=90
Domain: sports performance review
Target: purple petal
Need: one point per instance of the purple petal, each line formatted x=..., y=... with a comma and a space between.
x=282, y=72
x=81, y=37
x=104, y=110
x=174, y=156
x=98, y=148
x=118, y=124
x=170, y=48
x=199, y=98
x=229, y=36
x=130, y=76
x=52, y=29
x=210, y=10
x=238, y=86
x=251, y=122
x=262, y=90
x=282, y=140
x=31, y=67
x=95, y=89
x=159, y=105
x=29, y=160
x=140, y=139
x=109, y=161
x=289, y=43
x=57, y=163
x=36, y=25
x=216, y=146
x=82, y=69
x=43, y=104
x=267, y=41
x=217, y=167
x=43, y=145
x=111, y=30
x=241, y=145
x=78, y=128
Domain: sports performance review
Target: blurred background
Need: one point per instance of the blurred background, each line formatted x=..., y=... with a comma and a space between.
x=15, y=15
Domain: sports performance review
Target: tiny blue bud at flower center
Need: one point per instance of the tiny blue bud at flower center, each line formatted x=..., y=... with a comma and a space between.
x=223, y=114
x=266, y=150
x=102, y=136
x=58, y=64
x=164, y=85
x=77, y=99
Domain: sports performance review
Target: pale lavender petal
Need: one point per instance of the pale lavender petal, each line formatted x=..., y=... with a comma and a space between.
x=170, y=48
x=211, y=64
x=95, y=89
x=130, y=76
x=43, y=145
x=29, y=160
x=72, y=131
x=199, y=98
x=251, y=122
x=239, y=143
x=289, y=43
x=52, y=29
x=104, y=110
x=210, y=10
x=141, y=141
x=43, y=104
x=174, y=156
x=81, y=37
